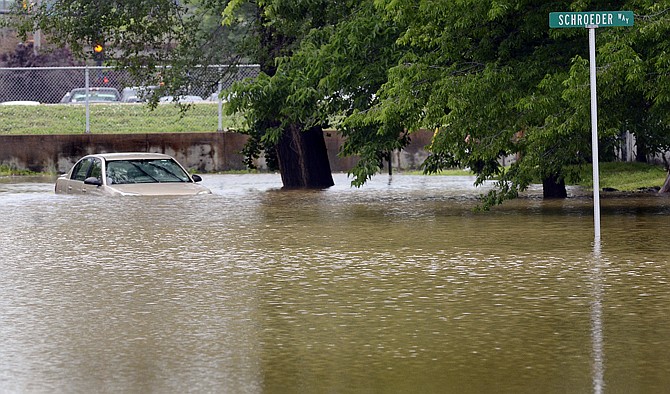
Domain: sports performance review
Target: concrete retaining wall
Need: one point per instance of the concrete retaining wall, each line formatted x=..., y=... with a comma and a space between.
x=205, y=152
x=202, y=152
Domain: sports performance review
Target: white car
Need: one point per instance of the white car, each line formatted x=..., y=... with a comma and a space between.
x=95, y=95
x=180, y=99
x=137, y=94
x=21, y=102
x=129, y=174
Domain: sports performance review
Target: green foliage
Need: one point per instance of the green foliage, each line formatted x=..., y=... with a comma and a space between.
x=157, y=41
x=348, y=68
x=494, y=81
x=9, y=171
x=490, y=77
x=42, y=86
x=333, y=61
x=25, y=56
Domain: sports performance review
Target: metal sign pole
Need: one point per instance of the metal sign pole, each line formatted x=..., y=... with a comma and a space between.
x=88, y=113
x=591, y=20
x=594, y=134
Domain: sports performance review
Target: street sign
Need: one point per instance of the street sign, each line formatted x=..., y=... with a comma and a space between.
x=590, y=19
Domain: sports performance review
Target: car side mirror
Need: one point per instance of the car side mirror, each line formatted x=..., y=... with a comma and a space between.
x=93, y=181
x=196, y=178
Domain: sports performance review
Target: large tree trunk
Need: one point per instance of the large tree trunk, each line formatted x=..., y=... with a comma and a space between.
x=553, y=188
x=641, y=153
x=303, y=159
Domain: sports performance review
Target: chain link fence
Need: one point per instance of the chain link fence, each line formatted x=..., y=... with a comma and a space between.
x=6, y=5
x=68, y=86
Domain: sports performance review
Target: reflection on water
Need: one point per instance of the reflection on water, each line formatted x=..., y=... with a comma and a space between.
x=394, y=287
x=597, y=319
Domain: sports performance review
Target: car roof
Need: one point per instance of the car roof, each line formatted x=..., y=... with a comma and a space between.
x=21, y=102
x=130, y=156
x=97, y=88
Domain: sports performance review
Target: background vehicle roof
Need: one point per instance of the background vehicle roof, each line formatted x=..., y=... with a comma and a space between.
x=131, y=156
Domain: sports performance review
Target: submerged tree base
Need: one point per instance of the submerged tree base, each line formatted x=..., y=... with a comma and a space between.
x=303, y=159
x=552, y=187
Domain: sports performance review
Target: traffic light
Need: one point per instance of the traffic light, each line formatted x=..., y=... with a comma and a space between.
x=99, y=53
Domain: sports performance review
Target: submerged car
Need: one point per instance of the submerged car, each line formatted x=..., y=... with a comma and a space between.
x=129, y=174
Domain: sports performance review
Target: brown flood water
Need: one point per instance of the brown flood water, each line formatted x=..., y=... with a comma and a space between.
x=396, y=287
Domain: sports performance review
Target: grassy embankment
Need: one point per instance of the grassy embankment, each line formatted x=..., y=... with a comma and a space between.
x=625, y=177
x=117, y=118
x=134, y=118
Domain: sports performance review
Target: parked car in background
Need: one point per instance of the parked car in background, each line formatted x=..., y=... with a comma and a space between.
x=20, y=102
x=214, y=97
x=137, y=94
x=129, y=174
x=180, y=99
x=95, y=95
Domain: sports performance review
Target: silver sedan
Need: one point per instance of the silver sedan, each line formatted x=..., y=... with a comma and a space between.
x=129, y=174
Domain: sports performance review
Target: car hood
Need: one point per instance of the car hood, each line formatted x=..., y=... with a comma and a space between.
x=159, y=189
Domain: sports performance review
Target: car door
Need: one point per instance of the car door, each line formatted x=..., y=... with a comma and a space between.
x=75, y=184
x=85, y=168
x=95, y=171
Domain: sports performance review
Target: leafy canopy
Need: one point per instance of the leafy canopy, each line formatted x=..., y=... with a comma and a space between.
x=495, y=82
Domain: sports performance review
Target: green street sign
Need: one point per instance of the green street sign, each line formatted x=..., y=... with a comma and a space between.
x=590, y=19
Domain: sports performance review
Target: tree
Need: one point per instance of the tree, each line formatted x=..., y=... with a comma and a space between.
x=294, y=144
x=28, y=84
x=145, y=37
x=484, y=76
x=489, y=77
x=329, y=79
x=637, y=78
x=159, y=42
x=494, y=81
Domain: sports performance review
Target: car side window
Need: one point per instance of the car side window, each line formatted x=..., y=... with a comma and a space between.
x=81, y=169
x=96, y=169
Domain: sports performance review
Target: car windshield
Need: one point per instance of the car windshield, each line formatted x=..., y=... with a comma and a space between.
x=94, y=95
x=145, y=171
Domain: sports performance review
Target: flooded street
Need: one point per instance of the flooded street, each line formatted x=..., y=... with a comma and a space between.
x=396, y=287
